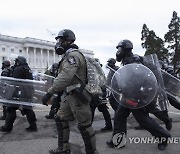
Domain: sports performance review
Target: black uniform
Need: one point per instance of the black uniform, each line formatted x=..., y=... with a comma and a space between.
x=6, y=71
x=102, y=107
x=160, y=114
x=125, y=55
x=21, y=70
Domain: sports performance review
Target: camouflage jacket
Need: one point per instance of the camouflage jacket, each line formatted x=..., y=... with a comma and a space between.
x=72, y=64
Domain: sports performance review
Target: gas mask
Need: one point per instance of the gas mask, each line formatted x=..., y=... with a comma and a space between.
x=62, y=46
x=60, y=50
x=120, y=54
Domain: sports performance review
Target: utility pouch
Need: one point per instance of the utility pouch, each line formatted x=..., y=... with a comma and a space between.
x=83, y=95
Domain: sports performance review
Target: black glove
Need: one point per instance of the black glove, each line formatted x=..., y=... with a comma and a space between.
x=46, y=98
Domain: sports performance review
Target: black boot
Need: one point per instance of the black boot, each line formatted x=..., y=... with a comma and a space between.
x=108, y=124
x=110, y=144
x=169, y=124
x=31, y=117
x=32, y=128
x=59, y=151
x=106, y=128
x=4, y=129
x=49, y=117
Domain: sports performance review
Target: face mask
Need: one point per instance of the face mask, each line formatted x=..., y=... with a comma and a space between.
x=119, y=54
x=59, y=49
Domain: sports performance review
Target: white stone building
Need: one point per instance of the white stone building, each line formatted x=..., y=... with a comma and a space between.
x=40, y=54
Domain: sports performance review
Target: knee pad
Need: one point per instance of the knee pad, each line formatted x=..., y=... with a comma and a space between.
x=89, y=145
x=83, y=130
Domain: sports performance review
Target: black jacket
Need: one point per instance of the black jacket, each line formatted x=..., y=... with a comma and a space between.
x=22, y=72
x=132, y=58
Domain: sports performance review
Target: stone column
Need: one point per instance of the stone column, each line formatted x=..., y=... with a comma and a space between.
x=42, y=58
x=54, y=55
x=35, y=66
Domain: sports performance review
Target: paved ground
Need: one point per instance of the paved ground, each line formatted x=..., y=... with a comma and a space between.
x=21, y=142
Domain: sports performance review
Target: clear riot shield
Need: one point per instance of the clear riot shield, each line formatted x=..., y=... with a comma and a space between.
x=44, y=77
x=172, y=87
x=22, y=92
x=152, y=62
x=134, y=86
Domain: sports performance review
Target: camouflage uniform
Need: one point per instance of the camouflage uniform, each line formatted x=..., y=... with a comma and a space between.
x=72, y=64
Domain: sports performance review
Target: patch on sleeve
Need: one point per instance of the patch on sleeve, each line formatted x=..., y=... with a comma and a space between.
x=71, y=60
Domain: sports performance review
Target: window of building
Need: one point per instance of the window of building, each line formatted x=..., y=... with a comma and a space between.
x=20, y=51
x=12, y=50
x=3, y=49
x=3, y=58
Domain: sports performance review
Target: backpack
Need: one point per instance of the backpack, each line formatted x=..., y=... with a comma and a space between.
x=96, y=79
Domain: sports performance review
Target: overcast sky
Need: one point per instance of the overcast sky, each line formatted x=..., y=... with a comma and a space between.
x=98, y=24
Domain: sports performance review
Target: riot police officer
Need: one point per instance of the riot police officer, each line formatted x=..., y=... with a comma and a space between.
x=112, y=68
x=21, y=70
x=72, y=70
x=125, y=55
x=56, y=99
x=6, y=71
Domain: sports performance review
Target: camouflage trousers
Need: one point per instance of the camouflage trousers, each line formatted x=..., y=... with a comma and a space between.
x=71, y=108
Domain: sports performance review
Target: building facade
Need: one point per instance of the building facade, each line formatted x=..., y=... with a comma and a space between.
x=40, y=54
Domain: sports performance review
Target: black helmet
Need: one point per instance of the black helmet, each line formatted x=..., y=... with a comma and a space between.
x=66, y=34
x=124, y=49
x=112, y=61
x=6, y=63
x=21, y=60
x=125, y=44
